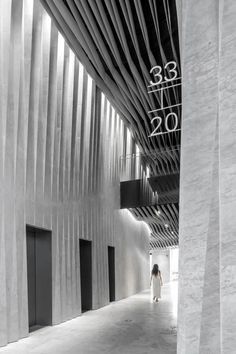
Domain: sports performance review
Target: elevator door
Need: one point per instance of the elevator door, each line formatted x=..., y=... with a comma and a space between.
x=86, y=274
x=39, y=274
x=111, y=272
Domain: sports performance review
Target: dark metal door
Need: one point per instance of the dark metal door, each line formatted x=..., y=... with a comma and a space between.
x=111, y=270
x=86, y=274
x=31, y=260
x=39, y=273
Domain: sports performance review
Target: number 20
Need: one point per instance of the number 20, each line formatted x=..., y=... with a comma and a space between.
x=159, y=119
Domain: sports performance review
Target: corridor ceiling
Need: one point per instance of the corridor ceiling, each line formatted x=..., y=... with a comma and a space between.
x=120, y=42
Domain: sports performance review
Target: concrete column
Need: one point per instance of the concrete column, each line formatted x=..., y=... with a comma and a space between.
x=207, y=285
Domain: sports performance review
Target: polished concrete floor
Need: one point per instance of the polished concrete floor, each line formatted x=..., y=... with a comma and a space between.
x=131, y=326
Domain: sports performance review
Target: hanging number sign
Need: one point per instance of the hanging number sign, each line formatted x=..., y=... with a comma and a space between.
x=171, y=120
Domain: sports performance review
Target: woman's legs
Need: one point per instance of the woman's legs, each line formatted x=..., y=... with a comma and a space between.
x=155, y=299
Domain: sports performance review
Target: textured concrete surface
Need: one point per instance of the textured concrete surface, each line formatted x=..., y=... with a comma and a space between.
x=207, y=296
x=135, y=325
x=60, y=145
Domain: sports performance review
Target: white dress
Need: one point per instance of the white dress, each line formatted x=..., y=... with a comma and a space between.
x=156, y=286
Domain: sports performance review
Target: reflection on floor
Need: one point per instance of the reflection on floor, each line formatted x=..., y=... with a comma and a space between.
x=132, y=326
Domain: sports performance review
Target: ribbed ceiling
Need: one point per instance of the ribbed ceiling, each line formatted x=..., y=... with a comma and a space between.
x=163, y=221
x=119, y=41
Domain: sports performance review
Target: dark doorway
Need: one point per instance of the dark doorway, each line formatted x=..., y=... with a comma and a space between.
x=86, y=274
x=111, y=271
x=39, y=273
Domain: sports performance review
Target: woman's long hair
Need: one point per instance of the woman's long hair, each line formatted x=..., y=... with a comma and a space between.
x=155, y=270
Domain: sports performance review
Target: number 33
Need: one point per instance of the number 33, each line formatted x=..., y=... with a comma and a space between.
x=170, y=67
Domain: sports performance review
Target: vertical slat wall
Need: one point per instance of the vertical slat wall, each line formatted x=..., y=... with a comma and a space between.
x=60, y=143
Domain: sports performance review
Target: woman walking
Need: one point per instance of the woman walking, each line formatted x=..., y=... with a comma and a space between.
x=156, y=283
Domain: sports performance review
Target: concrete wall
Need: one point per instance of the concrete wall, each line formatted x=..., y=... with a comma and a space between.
x=162, y=258
x=207, y=243
x=174, y=264
x=60, y=143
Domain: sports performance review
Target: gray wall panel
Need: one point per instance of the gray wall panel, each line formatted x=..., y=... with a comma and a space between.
x=207, y=267
x=60, y=143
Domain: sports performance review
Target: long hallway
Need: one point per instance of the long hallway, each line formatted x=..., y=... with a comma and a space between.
x=134, y=325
